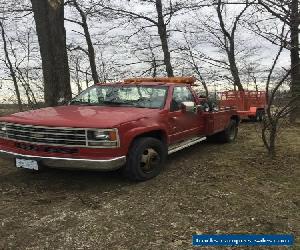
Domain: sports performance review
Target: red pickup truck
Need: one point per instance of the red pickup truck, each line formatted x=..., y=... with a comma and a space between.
x=131, y=125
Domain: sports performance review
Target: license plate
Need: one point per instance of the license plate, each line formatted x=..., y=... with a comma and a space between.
x=28, y=164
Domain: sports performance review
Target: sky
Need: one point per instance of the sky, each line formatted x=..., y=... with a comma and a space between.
x=116, y=51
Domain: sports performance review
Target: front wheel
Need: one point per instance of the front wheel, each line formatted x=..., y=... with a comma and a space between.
x=145, y=159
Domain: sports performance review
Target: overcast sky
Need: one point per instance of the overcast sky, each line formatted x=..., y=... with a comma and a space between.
x=116, y=52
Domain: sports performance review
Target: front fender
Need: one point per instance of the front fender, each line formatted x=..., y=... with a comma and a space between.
x=129, y=136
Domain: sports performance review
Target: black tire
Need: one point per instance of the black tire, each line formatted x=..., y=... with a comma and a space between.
x=260, y=115
x=253, y=118
x=226, y=136
x=154, y=152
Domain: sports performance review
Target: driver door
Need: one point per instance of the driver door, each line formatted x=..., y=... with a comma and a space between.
x=183, y=125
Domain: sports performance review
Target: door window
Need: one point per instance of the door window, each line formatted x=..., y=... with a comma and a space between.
x=180, y=94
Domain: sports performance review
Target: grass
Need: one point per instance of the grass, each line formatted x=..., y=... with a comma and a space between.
x=208, y=188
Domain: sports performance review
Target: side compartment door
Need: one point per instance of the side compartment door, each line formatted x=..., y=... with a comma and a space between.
x=216, y=120
x=220, y=120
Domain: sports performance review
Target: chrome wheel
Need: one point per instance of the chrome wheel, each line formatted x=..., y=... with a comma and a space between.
x=145, y=159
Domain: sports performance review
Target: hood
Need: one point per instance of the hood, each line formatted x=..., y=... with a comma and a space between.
x=80, y=116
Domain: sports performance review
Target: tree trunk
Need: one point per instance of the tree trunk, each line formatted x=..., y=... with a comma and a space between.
x=49, y=20
x=91, y=51
x=162, y=31
x=273, y=132
x=233, y=68
x=200, y=77
x=153, y=63
x=11, y=68
x=230, y=50
x=79, y=89
x=268, y=135
x=295, y=61
x=197, y=70
x=154, y=66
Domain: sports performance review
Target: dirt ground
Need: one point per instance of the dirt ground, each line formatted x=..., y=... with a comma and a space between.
x=232, y=188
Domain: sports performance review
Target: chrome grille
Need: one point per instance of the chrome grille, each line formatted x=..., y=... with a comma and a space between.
x=47, y=149
x=46, y=135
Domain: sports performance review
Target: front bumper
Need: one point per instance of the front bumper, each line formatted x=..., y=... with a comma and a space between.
x=71, y=163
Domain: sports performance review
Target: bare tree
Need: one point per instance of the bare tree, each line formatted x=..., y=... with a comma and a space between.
x=90, y=51
x=229, y=42
x=275, y=114
x=146, y=52
x=49, y=20
x=295, y=60
x=24, y=50
x=154, y=63
x=189, y=55
x=288, y=13
x=160, y=23
x=79, y=70
x=10, y=66
x=162, y=31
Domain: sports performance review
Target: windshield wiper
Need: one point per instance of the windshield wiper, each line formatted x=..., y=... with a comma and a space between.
x=116, y=103
x=81, y=103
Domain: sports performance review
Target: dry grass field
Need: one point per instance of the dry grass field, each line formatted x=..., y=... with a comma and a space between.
x=208, y=188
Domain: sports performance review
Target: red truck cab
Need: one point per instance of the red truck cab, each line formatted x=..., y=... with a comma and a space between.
x=132, y=125
x=249, y=104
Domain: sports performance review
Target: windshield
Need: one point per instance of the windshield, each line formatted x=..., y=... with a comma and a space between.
x=116, y=95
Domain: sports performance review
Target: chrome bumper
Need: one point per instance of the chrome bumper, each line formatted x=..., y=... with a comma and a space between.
x=70, y=163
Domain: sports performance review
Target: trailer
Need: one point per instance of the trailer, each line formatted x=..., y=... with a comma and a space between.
x=249, y=104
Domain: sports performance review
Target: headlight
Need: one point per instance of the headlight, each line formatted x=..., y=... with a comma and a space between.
x=3, y=131
x=106, y=138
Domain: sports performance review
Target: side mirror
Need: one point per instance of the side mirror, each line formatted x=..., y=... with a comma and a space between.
x=66, y=103
x=188, y=107
x=63, y=101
